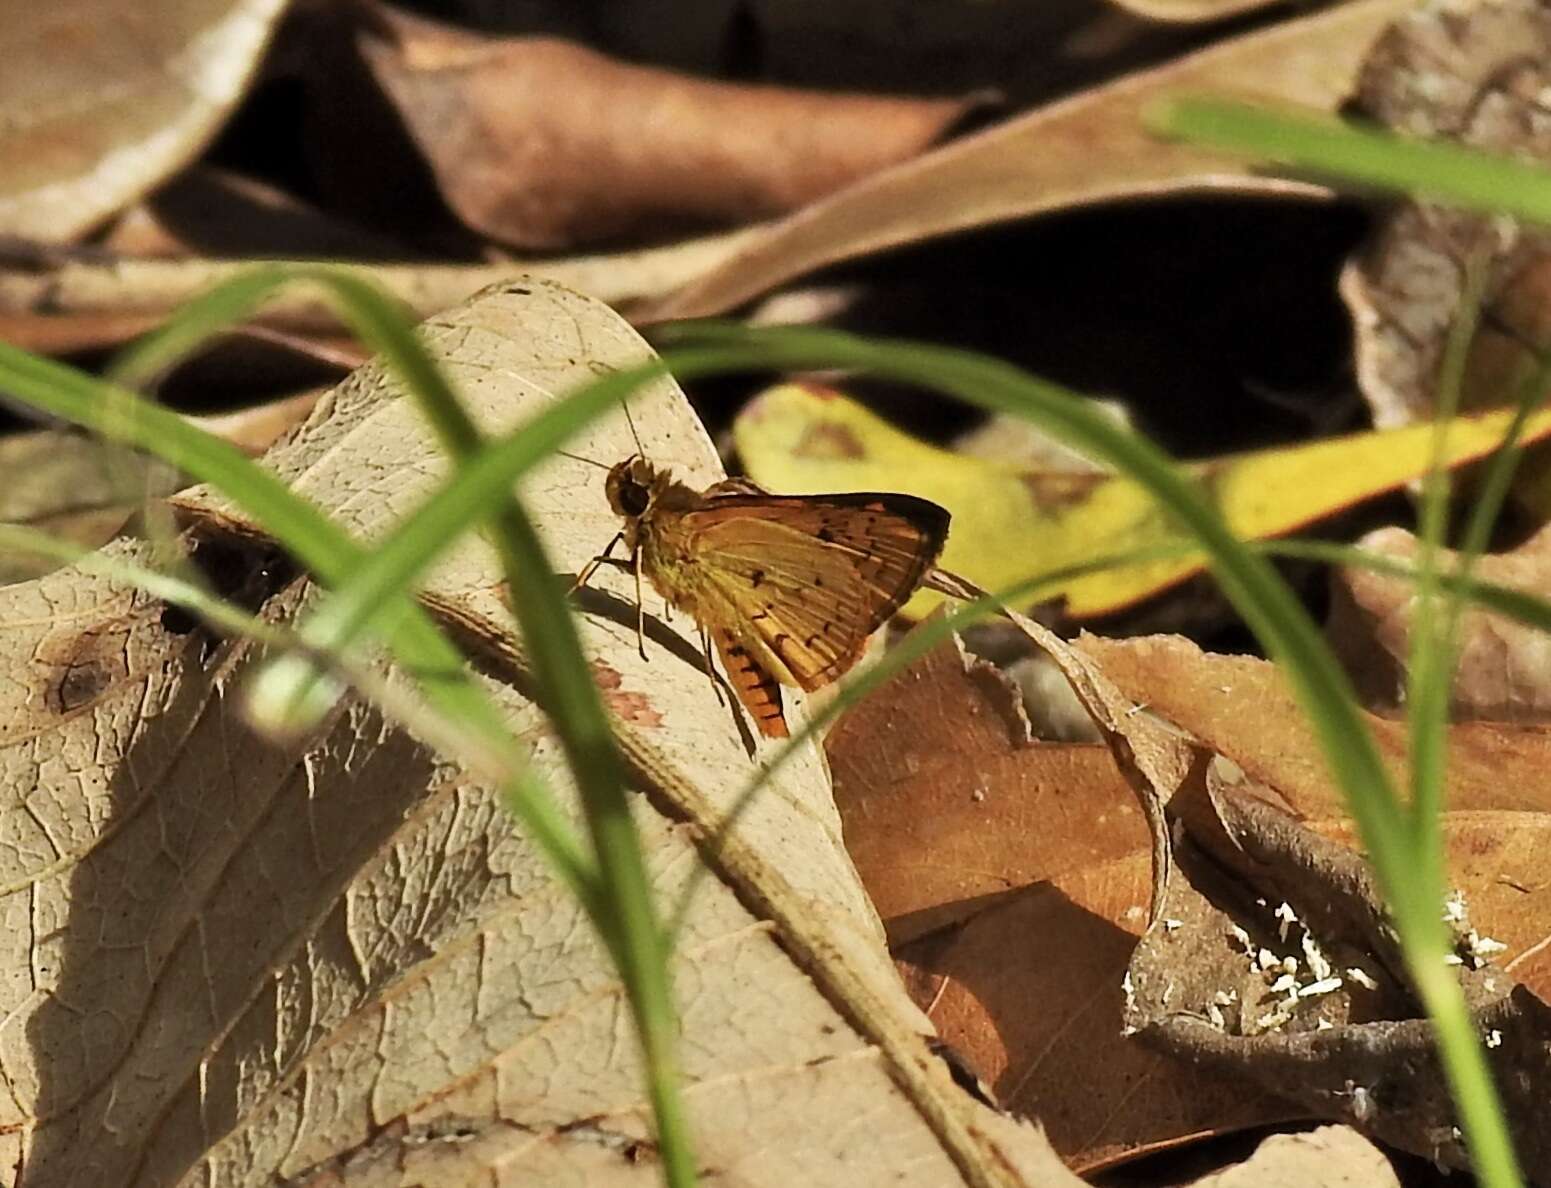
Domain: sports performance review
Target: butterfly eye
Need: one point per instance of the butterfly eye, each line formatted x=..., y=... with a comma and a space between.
x=633, y=498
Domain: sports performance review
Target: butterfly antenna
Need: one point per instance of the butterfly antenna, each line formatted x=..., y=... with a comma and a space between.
x=630, y=420
x=579, y=458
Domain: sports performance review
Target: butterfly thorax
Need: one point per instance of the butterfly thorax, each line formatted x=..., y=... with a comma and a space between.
x=651, y=502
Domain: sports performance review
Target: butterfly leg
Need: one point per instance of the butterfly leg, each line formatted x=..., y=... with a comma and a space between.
x=603, y=558
x=640, y=608
x=710, y=664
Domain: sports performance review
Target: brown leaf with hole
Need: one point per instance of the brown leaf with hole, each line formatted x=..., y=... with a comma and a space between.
x=545, y=144
x=1084, y=149
x=1273, y=957
x=103, y=101
x=1503, y=673
x=1225, y=978
x=1013, y=878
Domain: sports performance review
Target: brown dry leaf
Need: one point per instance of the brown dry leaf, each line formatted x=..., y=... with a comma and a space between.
x=542, y=143
x=1013, y=879
x=1330, y=1157
x=243, y=961
x=1242, y=708
x=103, y=101
x=82, y=302
x=1504, y=668
x=1474, y=73
x=1085, y=149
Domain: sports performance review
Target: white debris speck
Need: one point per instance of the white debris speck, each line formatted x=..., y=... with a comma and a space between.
x=1362, y=977
x=1289, y=965
x=1454, y=907
x=1172, y=925
x=1319, y=965
x=1242, y=937
x=1267, y=959
x=1127, y=987
x=1324, y=1025
x=1484, y=946
x=1323, y=986
x=1286, y=918
x=1214, y=1013
x=1363, y=1107
x=1283, y=984
x=1225, y=997
x=1494, y=1038
x=1453, y=959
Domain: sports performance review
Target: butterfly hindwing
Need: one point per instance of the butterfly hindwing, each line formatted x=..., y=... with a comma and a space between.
x=807, y=579
x=755, y=686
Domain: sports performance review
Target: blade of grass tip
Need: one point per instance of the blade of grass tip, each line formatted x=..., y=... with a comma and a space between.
x=320, y=545
x=863, y=683
x=1342, y=151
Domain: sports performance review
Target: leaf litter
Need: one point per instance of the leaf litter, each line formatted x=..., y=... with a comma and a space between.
x=329, y=959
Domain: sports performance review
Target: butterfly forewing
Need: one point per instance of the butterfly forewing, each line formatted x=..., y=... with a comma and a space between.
x=807, y=579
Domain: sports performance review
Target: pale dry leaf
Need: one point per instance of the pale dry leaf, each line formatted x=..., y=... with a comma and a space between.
x=335, y=962
x=103, y=101
x=543, y=143
x=1085, y=149
x=1503, y=671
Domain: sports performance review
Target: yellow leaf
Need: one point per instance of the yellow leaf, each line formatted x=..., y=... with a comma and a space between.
x=1010, y=524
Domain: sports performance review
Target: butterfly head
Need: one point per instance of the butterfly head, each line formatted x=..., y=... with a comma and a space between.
x=631, y=486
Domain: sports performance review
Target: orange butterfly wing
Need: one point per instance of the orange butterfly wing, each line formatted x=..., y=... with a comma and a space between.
x=805, y=580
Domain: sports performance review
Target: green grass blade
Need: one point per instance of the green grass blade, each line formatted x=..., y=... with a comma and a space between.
x=1343, y=151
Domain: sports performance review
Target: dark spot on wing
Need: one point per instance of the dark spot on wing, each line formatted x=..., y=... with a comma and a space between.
x=757, y=577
